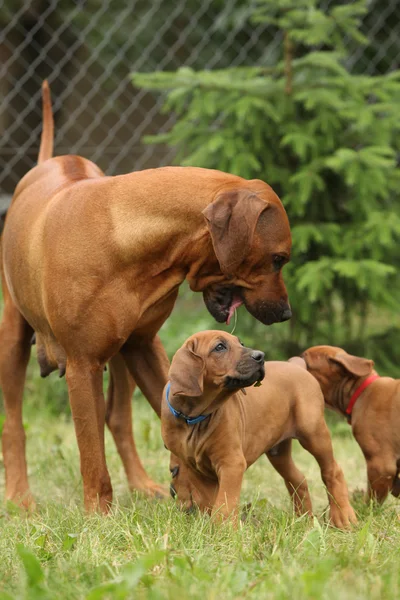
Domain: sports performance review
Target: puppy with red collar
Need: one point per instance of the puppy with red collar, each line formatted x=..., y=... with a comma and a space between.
x=353, y=388
x=218, y=425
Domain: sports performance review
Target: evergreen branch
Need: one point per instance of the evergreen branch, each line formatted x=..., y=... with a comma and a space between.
x=288, y=57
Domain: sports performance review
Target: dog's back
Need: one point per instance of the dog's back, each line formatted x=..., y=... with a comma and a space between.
x=288, y=402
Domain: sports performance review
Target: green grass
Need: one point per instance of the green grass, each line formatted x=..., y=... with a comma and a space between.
x=147, y=549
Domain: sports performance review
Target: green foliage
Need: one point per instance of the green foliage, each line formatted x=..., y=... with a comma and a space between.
x=33, y=572
x=327, y=140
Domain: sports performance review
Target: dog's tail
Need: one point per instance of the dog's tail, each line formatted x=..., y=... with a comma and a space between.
x=47, y=137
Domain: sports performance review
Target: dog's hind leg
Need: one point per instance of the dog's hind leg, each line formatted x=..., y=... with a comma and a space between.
x=280, y=457
x=382, y=469
x=15, y=338
x=319, y=444
x=148, y=363
x=119, y=421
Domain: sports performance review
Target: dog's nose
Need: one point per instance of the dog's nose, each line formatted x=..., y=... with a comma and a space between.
x=258, y=356
x=286, y=315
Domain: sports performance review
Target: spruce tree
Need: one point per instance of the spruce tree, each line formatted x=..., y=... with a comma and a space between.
x=327, y=140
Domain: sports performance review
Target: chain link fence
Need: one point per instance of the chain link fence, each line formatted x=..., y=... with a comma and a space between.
x=88, y=48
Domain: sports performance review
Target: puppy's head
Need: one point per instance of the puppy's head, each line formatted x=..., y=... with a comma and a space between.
x=191, y=489
x=331, y=365
x=211, y=363
x=180, y=485
x=251, y=239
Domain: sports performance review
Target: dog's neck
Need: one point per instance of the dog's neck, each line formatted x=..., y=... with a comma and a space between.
x=343, y=391
x=207, y=404
x=183, y=244
x=201, y=264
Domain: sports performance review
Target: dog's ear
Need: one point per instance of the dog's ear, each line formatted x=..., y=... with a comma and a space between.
x=360, y=367
x=186, y=372
x=231, y=220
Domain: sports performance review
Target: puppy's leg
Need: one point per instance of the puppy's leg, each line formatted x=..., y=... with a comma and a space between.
x=85, y=386
x=319, y=444
x=119, y=421
x=280, y=458
x=230, y=477
x=381, y=472
x=148, y=364
x=15, y=335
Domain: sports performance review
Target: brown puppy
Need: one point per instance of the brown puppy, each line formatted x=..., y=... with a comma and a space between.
x=218, y=430
x=93, y=264
x=371, y=403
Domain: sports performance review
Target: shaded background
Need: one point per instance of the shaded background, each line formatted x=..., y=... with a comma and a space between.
x=88, y=48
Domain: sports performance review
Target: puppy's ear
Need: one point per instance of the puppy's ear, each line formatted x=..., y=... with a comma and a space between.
x=360, y=367
x=299, y=361
x=186, y=372
x=231, y=220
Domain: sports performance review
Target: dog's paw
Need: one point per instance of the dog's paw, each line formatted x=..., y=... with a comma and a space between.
x=24, y=502
x=343, y=518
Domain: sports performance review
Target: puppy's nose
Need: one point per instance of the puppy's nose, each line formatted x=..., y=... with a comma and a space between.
x=258, y=356
x=172, y=490
x=287, y=314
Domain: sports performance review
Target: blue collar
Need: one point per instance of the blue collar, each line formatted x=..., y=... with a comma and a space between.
x=179, y=415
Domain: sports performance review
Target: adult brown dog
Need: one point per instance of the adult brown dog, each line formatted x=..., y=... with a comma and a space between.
x=217, y=430
x=93, y=264
x=371, y=403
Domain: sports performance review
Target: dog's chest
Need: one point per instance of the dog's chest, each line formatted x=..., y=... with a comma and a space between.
x=199, y=460
x=202, y=466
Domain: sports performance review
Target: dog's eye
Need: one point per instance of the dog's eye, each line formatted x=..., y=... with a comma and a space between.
x=278, y=262
x=241, y=343
x=220, y=347
x=174, y=471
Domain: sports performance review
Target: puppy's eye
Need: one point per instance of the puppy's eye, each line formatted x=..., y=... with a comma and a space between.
x=241, y=343
x=220, y=347
x=174, y=472
x=278, y=262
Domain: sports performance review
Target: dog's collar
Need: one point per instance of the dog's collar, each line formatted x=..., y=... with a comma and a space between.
x=179, y=415
x=357, y=393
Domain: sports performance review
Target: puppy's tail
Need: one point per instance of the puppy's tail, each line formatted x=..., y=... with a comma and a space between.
x=299, y=361
x=47, y=137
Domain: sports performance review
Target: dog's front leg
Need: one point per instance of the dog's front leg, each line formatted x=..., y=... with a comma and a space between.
x=85, y=387
x=230, y=478
x=148, y=364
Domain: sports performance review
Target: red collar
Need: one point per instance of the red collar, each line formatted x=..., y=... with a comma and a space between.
x=357, y=393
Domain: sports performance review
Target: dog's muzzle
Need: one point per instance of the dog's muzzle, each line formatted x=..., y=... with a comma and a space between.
x=249, y=370
x=269, y=312
x=172, y=490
